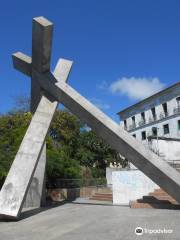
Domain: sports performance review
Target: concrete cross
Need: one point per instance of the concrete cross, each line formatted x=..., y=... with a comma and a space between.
x=21, y=172
x=30, y=160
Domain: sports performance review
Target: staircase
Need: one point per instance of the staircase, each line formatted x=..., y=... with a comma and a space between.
x=102, y=197
x=157, y=199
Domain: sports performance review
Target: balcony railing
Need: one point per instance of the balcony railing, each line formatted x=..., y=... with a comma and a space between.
x=132, y=126
x=141, y=123
x=163, y=115
x=176, y=110
x=152, y=119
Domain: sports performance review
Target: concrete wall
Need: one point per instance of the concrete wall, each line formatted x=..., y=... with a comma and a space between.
x=130, y=185
x=109, y=171
x=169, y=149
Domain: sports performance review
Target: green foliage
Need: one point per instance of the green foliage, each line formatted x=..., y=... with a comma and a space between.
x=12, y=130
x=94, y=153
x=61, y=165
x=71, y=151
x=62, y=144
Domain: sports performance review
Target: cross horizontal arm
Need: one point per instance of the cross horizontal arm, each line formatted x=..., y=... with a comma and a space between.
x=22, y=63
x=148, y=162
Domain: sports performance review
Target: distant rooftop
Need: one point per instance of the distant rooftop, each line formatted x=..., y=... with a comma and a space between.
x=149, y=98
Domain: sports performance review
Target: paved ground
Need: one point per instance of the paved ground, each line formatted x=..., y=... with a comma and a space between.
x=73, y=221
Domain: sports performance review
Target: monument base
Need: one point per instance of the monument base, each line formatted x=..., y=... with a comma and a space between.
x=129, y=185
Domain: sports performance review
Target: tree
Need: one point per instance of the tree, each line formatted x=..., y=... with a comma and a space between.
x=94, y=153
x=62, y=143
x=12, y=130
x=72, y=152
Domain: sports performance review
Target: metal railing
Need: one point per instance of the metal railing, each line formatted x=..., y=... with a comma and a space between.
x=75, y=183
x=141, y=123
x=152, y=119
x=163, y=115
x=176, y=110
x=132, y=126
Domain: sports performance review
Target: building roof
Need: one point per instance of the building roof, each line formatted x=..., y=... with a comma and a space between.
x=149, y=98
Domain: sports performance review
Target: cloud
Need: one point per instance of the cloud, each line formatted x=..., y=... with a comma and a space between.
x=136, y=88
x=102, y=85
x=100, y=104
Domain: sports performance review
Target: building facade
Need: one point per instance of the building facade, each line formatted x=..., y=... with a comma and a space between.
x=156, y=120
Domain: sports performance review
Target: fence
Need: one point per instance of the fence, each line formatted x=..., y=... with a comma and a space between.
x=75, y=183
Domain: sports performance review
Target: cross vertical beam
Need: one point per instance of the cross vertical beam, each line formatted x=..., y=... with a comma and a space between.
x=42, y=32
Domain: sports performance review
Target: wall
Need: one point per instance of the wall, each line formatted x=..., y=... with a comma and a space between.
x=109, y=171
x=130, y=185
x=170, y=149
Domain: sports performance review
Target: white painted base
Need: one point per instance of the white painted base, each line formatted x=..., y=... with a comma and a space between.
x=109, y=171
x=129, y=185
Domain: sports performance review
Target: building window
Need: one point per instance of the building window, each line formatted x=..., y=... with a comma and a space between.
x=179, y=125
x=153, y=111
x=164, y=105
x=143, y=134
x=143, y=116
x=166, y=128
x=154, y=131
x=177, y=108
x=134, y=135
x=178, y=102
x=125, y=124
x=133, y=121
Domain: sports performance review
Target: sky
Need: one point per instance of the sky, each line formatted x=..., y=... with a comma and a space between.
x=123, y=50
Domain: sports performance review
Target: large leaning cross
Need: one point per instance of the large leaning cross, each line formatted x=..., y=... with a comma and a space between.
x=56, y=90
x=42, y=32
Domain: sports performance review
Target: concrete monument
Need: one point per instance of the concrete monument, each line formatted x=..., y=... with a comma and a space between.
x=54, y=89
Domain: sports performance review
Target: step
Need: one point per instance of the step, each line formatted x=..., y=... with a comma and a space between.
x=159, y=190
x=98, y=196
x=154, y=205
x=163, y=197
x=104, y=195
x=158, y=194
x=100, y=199
x=151, y=199
x=168, y=198
x=104, y=191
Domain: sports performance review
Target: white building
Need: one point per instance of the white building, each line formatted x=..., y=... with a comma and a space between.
x=155, y=121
